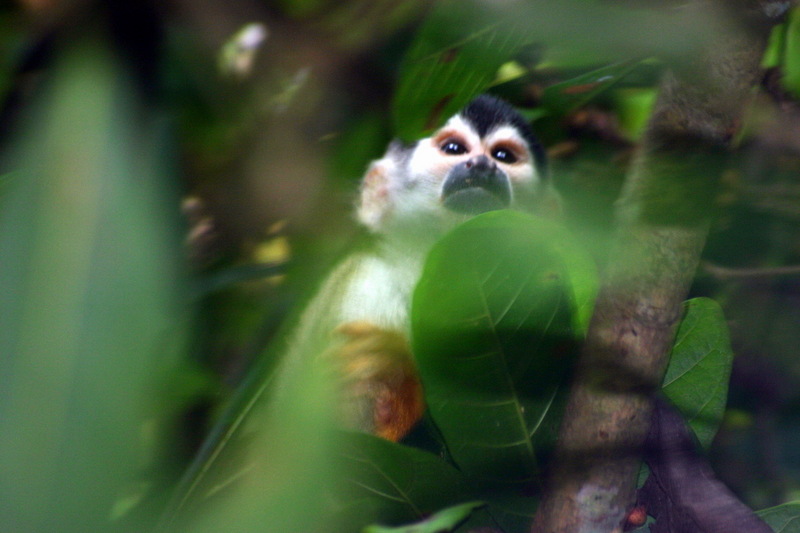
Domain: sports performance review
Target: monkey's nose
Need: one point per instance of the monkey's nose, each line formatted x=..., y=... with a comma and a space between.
x=475, y=186
x=480, y=163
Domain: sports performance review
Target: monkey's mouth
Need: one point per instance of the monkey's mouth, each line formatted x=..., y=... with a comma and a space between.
x=473, y=201
x=472, y=188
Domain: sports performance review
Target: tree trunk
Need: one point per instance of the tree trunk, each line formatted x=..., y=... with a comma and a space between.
x=662, y=222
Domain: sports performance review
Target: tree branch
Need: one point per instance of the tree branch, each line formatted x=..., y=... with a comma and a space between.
x=662, y=223
x=727, y=273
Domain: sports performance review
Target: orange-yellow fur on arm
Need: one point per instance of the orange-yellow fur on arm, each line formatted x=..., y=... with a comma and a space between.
x=379, y=380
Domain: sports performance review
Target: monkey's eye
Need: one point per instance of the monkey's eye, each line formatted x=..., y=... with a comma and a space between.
x=452, y=147
x=504, y=155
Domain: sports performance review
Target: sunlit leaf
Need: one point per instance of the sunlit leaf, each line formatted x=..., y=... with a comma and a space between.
x=633, y=109
x=791, y=59
x=777, y=43
x=699, y=369
x=237, y=55
x=494, y=329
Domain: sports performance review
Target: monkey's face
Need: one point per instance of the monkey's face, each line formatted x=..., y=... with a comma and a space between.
x=482, y=159
x=469, y=174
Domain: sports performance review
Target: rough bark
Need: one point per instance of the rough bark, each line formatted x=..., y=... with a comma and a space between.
x=662, y=223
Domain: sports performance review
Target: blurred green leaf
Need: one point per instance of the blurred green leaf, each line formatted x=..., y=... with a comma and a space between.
x=393, y=484
x=775, y=47
x=791, y=59
x=634, y=107
x=441, y=522
x=455, y=55
x=573, y=93
x=587, y=32
x=275, y=458
x=462, y=45
x=360, y=23
x=699, y=368
x=362, y=140
x=494, y=327
x=267, y=464
x=92, y=316
x=783, y=518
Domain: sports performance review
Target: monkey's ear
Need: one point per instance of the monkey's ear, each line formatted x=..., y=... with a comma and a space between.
x=376, y=196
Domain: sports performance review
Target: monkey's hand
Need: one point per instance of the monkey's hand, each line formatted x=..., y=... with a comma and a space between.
x=381, y=389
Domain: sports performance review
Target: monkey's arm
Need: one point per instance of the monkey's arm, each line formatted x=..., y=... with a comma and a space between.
x=380, y=386
x=361, y=315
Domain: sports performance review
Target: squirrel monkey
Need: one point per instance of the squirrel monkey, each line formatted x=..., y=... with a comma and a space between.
x=485, y=157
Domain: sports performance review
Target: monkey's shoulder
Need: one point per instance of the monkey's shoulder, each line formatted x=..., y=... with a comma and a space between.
x=374, y=288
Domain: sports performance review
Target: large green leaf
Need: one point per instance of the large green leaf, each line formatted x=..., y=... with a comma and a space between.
x=697, y=377
x=783, y=518
x=393, y=484
x=92, y=316
x=494, y=326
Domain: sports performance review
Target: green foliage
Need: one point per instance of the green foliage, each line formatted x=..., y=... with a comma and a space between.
x=441, y=522
x=461, y=46
x=455, y=56
x=494, y=330
x=269, y=459
x=568, y=95
x=634, y=106
x=699, y=369
x=93, y=312
x=784, y=52
x=791, y=53
x=493, y=320
x=783, y=518
x=92, y=315
x=391, y=483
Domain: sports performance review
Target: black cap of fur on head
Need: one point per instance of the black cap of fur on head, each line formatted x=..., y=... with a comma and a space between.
x=485, y=113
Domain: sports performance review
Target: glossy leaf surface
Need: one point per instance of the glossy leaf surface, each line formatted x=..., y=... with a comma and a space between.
x=699, y=369
x=494, y=327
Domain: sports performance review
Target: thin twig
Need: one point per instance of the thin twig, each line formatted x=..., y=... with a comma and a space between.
x=727, y=273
